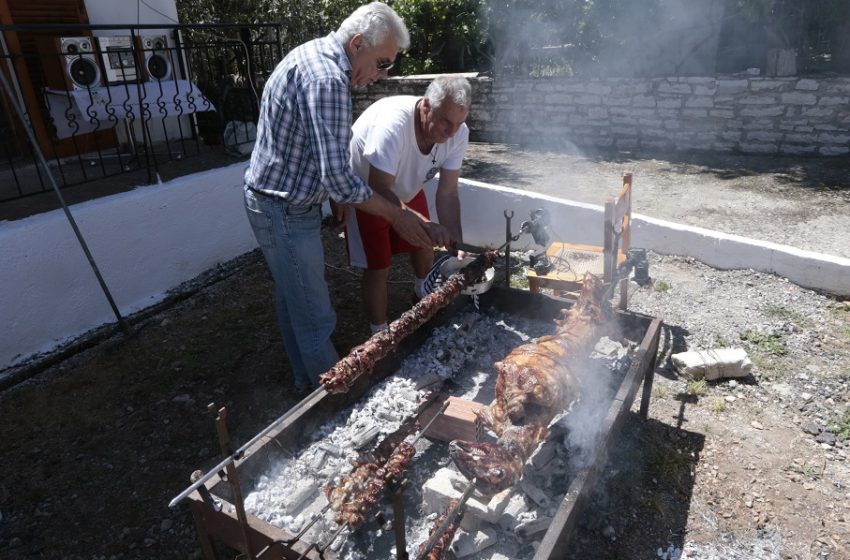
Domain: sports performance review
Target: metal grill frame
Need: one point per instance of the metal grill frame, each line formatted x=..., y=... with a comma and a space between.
x=215, y=524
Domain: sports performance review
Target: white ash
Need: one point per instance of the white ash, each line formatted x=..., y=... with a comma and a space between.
x=289, y=494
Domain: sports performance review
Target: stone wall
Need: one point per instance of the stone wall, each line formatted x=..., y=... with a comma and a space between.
x=732, y=114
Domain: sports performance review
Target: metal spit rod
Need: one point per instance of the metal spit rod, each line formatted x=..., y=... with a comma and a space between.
x=432, y=540
x=298, y=408
x=322, y=548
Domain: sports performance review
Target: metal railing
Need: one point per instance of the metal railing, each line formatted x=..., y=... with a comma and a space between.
x=107, y=100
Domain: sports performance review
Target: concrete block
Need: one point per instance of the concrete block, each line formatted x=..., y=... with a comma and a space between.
x=528, y=529
x=303, y=490
x=515, y=507
x=446, y=485
x=497, y=504
x=544, y=454
x=537, y=495
x=467, y=544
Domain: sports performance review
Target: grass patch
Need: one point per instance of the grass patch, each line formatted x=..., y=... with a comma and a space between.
x=661, y=286
x=659, y=391
x=720, y=341
x=841, y=428
x=697, y=388
x=782, y=313
x=519, y=280
x=771, y=367
x=766, y=343
x=718, y=406
x=806, y=470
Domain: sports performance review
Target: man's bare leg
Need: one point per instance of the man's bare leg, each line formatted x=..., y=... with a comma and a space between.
x=375, y=295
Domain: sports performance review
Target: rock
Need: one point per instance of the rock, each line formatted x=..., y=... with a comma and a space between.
x=165, y=525
x=537, y=495
x=467, y=544
x=530, y=528
x=826, y=437
x=15, y=542
x=810, y=427
x=757, y=425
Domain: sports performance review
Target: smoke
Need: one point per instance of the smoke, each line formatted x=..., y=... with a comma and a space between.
x=610, y=38
x=585, y=424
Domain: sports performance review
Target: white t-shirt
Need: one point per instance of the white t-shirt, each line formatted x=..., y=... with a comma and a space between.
x=384, y=136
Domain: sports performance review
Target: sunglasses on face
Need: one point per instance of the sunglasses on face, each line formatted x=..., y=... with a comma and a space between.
x=385, y=65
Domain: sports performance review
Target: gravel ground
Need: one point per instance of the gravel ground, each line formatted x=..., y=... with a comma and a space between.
x=96, y=445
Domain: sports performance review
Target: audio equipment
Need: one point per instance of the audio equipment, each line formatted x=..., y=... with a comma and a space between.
x=70, y=63
x=156, y=57
x=119, y=64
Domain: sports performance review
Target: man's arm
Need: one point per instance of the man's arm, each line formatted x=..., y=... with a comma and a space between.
x=406, y=222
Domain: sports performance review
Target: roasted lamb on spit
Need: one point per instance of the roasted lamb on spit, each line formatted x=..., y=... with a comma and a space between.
x=362, y=488
x=535, y=382
x=361, y=360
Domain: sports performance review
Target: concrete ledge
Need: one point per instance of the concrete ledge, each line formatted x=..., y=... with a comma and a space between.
x=150, y=240
x=582, y=223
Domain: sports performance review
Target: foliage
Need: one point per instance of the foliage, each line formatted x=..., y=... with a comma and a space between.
x=545, y=37
x=697, y=388
x=767, y=343
x=446, y=35
x=841, y=427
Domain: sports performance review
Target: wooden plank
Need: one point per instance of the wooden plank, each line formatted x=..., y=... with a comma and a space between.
x=457, y=422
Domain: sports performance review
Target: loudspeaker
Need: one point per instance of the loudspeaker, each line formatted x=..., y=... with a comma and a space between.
x=155, y=57
x=70, y=63
x=119, y=64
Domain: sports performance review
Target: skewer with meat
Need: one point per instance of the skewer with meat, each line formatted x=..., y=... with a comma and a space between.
x=362, y=488
x=535, y=382
x=361, y=360
x=441, y=546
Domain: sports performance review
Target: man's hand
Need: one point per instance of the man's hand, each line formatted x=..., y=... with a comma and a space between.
x=338, y=214
x=439, y=235
x=412, y=229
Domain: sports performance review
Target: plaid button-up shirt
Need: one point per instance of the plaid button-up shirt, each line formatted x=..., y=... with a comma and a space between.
x=301, y=152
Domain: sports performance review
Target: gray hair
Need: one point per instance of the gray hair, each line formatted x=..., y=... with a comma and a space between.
x=375, y=22
x=456, y=88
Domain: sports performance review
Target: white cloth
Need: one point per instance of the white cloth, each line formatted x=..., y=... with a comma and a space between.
x=384, y=136
x=85, y=110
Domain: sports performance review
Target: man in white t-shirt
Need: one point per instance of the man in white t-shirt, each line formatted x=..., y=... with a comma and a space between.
x=398, y=143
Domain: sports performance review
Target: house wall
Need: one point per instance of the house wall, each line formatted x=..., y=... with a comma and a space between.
x=149, y=240
x=150, y=12
x=726, y=114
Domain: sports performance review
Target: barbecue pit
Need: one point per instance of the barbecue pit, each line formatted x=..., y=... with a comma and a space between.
x=281, y=474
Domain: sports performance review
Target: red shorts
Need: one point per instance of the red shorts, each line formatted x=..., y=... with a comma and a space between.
x=370, y=240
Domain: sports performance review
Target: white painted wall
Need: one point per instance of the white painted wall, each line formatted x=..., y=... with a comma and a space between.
x=145, y=242
x=151, y=239
x=118, y=12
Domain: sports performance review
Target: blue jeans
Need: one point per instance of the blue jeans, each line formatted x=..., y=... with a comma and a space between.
x=290, y=238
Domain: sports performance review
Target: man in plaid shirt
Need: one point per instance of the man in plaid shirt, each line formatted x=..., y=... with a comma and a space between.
x=301, y=159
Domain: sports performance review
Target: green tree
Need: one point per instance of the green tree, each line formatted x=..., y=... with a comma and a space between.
x=445, y=35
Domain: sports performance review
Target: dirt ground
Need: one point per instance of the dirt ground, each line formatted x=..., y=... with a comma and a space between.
x=95, y=445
